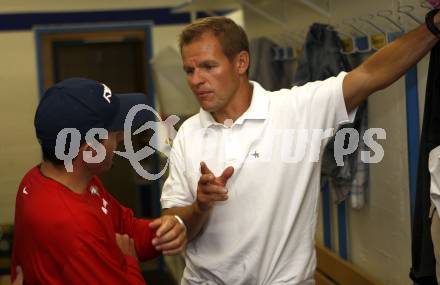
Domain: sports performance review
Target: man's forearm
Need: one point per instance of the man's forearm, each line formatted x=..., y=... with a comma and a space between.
x=387, y=65
x=192, y=216
x=392, y=61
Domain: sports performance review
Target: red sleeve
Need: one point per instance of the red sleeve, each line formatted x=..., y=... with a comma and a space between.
x=141, y=233
x=92, y=264
x=138, y=229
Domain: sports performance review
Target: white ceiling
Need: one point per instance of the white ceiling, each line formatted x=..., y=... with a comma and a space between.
x=26, y=6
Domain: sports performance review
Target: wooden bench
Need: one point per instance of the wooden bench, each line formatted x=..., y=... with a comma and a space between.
x=333, y=270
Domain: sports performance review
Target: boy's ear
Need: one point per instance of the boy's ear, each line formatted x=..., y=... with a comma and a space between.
x=86, y=147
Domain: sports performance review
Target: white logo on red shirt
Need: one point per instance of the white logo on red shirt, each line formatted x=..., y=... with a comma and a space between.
x=94, y=191
x=104, y=206
x=24, y=191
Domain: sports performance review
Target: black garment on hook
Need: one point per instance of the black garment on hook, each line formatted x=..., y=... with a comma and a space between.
x=423, y=260
x=321, y=57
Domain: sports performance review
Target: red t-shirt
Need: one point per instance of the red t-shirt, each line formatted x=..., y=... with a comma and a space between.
x=62, y=237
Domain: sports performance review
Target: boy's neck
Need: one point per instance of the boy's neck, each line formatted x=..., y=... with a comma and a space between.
x=76, y=181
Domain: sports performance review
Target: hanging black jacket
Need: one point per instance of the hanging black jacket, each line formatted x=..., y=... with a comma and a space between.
x=423, y=261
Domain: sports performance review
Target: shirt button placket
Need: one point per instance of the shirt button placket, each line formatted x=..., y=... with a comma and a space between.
x=230, y=150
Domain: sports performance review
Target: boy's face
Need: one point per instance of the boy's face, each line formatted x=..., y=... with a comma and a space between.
x=110, y=145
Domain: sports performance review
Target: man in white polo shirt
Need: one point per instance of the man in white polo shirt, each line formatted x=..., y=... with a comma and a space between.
x=244, y=172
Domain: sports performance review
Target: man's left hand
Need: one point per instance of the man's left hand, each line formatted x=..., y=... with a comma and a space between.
x=171, y=236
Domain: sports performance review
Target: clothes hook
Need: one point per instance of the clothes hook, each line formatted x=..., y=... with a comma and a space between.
x=290, y=38
x=288, y=53
x=276, y=53
x=363, y=44
x=338, y=30
x=303, y=33
x=350, y=45
x=368, y=21
x=376, y=41
x=426, y=5
x=287, y=39
x=298, y=38
x=347, y=41
x=407, y=9
x=363, y=41
x=351, y=25
x=276, y=48
x=283, y=39
x=386, y=15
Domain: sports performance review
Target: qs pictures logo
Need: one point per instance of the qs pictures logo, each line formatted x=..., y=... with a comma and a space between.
x=152, y=147
x=135, y=157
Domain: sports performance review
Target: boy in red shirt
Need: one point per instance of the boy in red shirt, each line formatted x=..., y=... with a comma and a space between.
x=68, y=228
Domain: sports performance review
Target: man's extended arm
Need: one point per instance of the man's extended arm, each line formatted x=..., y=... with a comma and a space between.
x=387, y=65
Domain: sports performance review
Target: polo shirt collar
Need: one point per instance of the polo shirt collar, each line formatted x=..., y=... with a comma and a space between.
x=258, y=109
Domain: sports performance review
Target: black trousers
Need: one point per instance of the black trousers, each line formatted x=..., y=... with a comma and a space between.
x=423, y=261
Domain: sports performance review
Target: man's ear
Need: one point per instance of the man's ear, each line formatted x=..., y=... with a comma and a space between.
x=242, y=62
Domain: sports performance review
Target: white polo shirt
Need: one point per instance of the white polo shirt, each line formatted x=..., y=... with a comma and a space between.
x=264, y=233
x=434, y=169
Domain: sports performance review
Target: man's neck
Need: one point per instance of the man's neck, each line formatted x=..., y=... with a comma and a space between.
x=239, y=104
x=76, y=181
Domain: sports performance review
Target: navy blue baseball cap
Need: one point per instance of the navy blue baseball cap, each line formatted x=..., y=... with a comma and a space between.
x=82, y=104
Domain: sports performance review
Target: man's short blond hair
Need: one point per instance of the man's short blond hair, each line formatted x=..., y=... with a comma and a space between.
x=232, y=37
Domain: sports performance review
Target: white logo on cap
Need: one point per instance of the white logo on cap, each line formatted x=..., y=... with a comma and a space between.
x=107, y=93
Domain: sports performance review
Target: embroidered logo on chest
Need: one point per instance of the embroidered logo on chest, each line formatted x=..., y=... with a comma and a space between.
x=104, y=206
x=93, y=190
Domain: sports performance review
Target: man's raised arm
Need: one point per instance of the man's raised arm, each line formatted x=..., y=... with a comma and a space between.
x=388, y=64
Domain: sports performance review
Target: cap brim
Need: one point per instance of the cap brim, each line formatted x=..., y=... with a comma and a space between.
x=126, y=102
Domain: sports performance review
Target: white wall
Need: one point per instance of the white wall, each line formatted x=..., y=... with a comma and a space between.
x=379, y=235
x=19, y=148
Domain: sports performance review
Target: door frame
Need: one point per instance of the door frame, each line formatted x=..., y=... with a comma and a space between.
x=97, y=31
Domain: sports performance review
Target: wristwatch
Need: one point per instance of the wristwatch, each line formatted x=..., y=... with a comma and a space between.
x=429, y=20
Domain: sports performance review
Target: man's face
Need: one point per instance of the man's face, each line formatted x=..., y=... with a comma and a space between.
x=212, y=77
